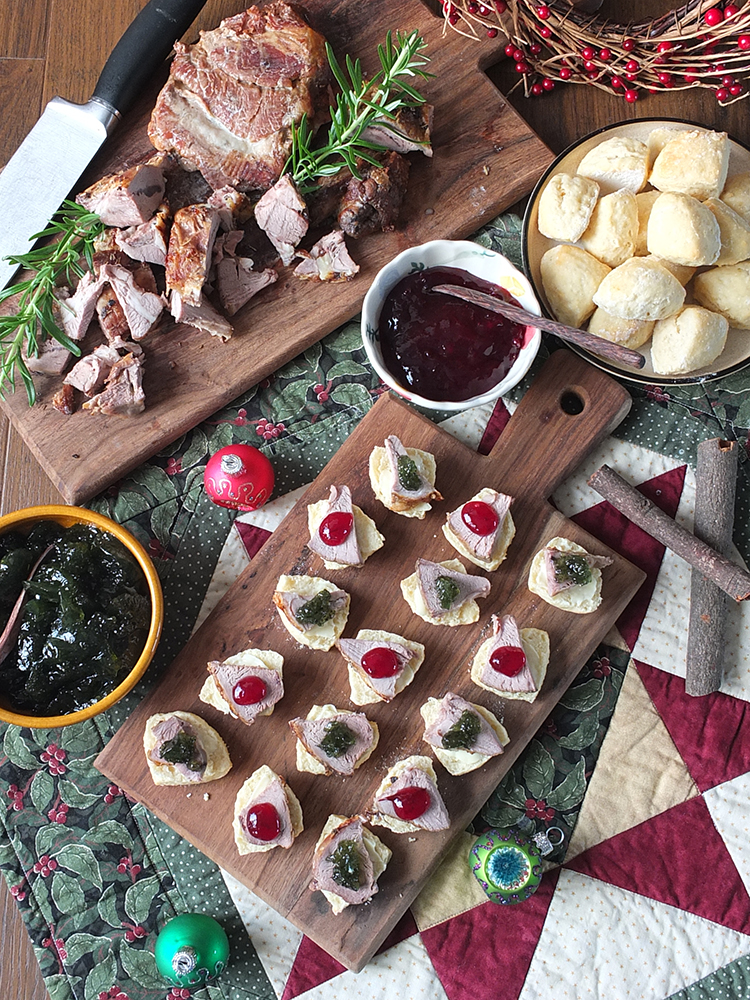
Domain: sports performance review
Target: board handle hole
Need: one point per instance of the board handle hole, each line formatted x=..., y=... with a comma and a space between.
x=571, y=403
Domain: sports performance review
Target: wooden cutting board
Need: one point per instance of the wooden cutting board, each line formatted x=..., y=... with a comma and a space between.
x=539, y=448
x=485, y=159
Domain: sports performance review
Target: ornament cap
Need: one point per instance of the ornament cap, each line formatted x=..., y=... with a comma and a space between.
x=191, y=949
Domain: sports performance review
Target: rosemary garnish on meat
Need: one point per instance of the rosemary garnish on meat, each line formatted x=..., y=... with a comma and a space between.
x=359, y=104
x=73, y=230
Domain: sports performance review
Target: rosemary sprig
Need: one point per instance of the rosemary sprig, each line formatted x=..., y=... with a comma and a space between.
x=359, y=104
x=72, y=231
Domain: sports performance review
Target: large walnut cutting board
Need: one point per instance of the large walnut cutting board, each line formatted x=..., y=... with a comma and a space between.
x=540, y=446
x=485, y=159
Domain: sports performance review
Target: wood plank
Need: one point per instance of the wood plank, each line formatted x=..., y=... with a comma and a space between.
x=190, y=375
x=20, y=975
x=21, y=83
x=23, y=28
x=540, y=447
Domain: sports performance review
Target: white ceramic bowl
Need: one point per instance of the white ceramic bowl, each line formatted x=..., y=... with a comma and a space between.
x=736, y=354
x=480, y=262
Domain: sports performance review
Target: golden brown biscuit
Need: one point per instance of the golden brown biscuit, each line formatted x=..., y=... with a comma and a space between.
x=613, y=229
x=619, y=163
x=640, y=289
x=683, y=230
x=691, y=339
x=735, y=233
x=693, y=163
x=570, y=276
x=736, y=194
x=565, y=207
x=726, y=290
x=644, y=202
x=632, y=333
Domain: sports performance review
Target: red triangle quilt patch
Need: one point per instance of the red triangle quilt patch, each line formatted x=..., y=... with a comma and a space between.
x=677, y=858
x=712, y=733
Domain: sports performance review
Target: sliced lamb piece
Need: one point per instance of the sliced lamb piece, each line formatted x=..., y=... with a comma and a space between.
x=227, y=676
x=237, y=283
x=275, y=795
x=423, y=493
x=348, y=553
x=225, y=245
x=469, y=587
x=111, y=316
x=354, y=649
x=64, y=400
x=481, y=545
x=128, y=198
x=328, y=260
x=505, y=633
x=231, y=98
x=373, y=200
x=52, y=359
x=233, y=206
x=290, y=603
x=77, y=310
x=435, y=817
x=142, y=308
x=203, y=316
x=148, y=241
x=282, y=215
x=123, y=394
x=312, y=732
x=90, y=373
x=407, y=132
x=452, y=708
x=323, y=869
x=566, y=569
x=190, y=246
x=174, y=729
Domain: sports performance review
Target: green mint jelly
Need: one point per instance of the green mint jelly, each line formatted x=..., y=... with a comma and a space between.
x=316, y=611
x=181, y=750
x=338, y=739
x=408, y=476
x=346, y=864
x=462, y=734
x=572, y=568
x=447, y=591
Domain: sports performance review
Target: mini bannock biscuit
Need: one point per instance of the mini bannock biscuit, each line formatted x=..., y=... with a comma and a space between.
x=726, y=290
x=570, y=276
x=640, y=289
x=616, y=164
x=565, y=207
x=736, y=194
x=632, y=333
x=683, y=230
x=693, y=163
x=613, y=229
x=735, y=233
x=687, y=341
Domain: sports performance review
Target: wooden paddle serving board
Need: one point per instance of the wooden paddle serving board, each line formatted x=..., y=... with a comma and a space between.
x=485, y=159
x=538, y=449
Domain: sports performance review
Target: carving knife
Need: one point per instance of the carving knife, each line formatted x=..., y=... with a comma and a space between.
x=47, y=164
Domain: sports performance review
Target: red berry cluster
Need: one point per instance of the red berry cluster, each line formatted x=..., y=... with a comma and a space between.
x=548, y=42
x=54, y=757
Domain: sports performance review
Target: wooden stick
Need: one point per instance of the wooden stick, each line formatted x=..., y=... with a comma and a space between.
x=715, y=483
x=732, y=579
x=597, y=345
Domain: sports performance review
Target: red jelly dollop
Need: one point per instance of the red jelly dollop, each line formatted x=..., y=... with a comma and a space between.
x=410, y=803
x=262, y=821
x=508, y=660
x=479, y=517
x=380, y=662
x=249, y=690
x=335, y=528
x=442, y=347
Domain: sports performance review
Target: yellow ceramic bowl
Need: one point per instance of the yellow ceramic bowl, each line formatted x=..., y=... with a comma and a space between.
x=24, y=520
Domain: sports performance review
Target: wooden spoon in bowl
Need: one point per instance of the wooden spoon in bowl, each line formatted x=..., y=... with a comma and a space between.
x=597, y=345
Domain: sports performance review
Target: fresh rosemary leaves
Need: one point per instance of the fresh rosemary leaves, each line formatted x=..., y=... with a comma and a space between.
x=72, y=231
x=359, y=104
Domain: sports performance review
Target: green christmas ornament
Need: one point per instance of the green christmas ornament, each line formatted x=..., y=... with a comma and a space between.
x=191, y=949
x=507, y=865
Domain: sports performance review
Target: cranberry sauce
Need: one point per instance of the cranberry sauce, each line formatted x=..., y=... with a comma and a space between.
x=508, y=660
x=380, y=662
x=441, y=347
x=336, y=527
x=479, y=517
x=410, y=803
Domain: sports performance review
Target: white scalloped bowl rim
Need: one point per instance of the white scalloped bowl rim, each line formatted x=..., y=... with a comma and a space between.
x=477, y=260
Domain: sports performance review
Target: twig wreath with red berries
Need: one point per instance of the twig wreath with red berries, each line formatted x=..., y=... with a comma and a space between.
x=702, y=44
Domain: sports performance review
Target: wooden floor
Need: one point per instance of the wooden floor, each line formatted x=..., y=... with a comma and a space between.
x=50, y=47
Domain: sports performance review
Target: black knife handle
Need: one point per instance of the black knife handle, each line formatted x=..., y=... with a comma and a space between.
x=141, y=50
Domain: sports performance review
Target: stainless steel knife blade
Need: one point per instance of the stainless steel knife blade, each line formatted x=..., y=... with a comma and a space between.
x=52, y=157
x=44, y=169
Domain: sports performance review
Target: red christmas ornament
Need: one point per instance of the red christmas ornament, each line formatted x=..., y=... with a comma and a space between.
x=239, y=476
